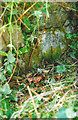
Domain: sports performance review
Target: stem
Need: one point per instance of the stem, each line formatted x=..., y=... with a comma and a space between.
x=11, y=26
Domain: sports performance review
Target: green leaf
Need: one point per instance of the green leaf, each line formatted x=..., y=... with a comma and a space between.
x=6, y=89
x=3, y=53
x=23, y=50
x=69, y=36
x=61, y=68
x=72, y=54
x=10, y=68
x=14, y=12
x=11, y=96
x=16, y=99
x=61, y=113
x=4, y=106
x=11, y=58
x=26, y=21
x=2, y=77
x=14, y=91
x=70, y=113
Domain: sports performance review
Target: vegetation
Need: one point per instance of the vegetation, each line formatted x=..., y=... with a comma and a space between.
x=32, y=86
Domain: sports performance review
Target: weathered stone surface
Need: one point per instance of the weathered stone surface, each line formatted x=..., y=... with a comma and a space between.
x=16, y=36
x=53, y=45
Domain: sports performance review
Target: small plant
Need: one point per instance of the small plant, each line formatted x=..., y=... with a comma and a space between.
x=8, y=65
x=73, y=45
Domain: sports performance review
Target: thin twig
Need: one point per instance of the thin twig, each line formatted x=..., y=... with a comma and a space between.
x=23, y=22
x=34, y=49
x=38, y=116
x=16, y=114
x=27, y=10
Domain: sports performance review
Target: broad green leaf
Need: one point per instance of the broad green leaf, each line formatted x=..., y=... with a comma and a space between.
x=6, y=63
x=6, y=89
x=61, y=113
x=11, y=58
x=61, y=68
x=10, y=68
x=70, y=113
x=23, y=50
x=3, y=53
x=10, y=45
x=14, y=12
x=2, y=77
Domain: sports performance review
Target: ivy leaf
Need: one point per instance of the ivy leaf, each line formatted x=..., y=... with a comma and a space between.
x=2, y=77
x=10, y=68
x=23, y=50
x=3, y=53
x=11, y=58
x=61, y=68
x=6, y=89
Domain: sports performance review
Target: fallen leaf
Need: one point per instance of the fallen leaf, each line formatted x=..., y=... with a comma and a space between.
x=37, y=79
x=29, y=75
x=30, y=80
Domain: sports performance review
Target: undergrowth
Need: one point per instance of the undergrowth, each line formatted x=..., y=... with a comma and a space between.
x=47, y=91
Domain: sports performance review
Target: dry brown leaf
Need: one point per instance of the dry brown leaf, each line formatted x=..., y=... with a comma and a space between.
x=37, y=79
x=29, y=75
x=30, y=80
